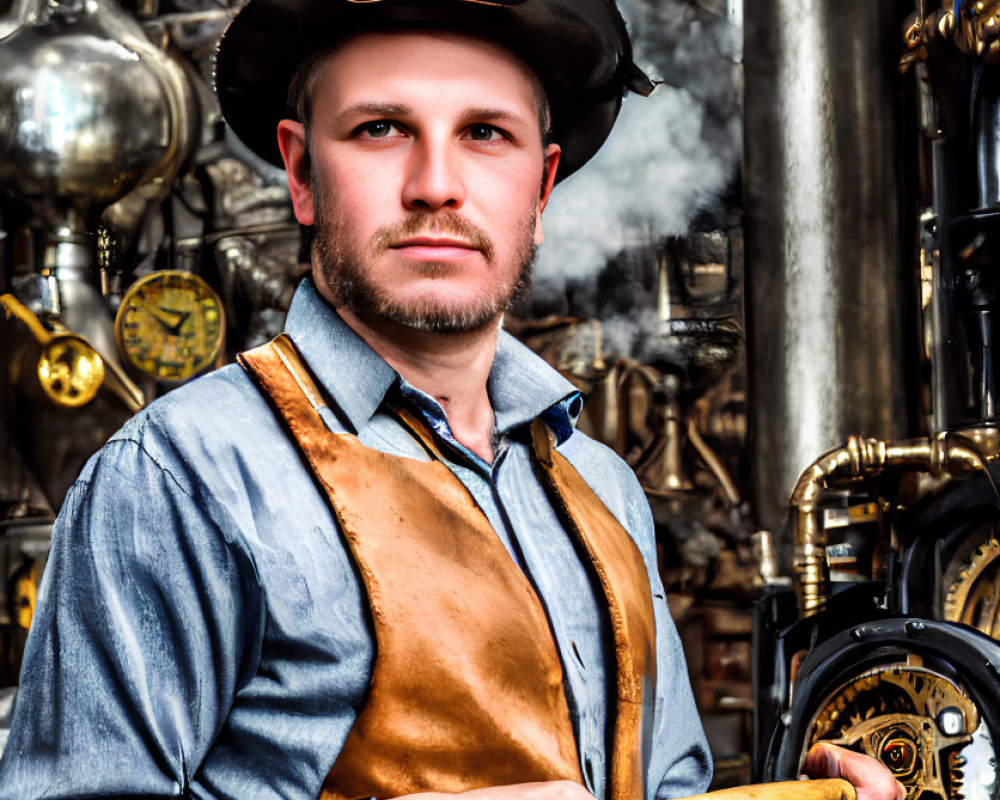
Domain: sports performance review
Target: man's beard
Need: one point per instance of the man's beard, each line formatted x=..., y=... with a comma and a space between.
x=347, y=273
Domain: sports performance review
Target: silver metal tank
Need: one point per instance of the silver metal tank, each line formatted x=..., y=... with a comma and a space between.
x=89, y=109
x=826, y=282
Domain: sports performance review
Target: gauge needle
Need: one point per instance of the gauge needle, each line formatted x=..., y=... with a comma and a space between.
x=170, y=320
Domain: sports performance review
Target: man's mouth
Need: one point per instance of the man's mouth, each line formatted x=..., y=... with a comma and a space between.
x=435, y=248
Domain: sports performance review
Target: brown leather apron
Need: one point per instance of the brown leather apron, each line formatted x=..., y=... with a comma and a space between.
x=466, y=689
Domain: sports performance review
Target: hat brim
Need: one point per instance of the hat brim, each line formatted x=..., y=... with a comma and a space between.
x=579, y=49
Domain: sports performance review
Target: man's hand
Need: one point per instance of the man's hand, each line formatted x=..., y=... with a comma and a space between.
x=547, y=790
x=870, y=777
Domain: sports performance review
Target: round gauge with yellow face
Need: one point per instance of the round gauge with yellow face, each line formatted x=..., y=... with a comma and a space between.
x=170, y=325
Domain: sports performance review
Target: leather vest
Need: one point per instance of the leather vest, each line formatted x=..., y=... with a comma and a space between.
x=466, y=689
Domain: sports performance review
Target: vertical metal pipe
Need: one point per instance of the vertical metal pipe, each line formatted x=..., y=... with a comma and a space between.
x=986, y=135
x=825, y=284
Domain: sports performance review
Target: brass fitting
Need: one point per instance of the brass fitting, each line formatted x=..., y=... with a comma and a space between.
x=950, y=453
x=975, y=31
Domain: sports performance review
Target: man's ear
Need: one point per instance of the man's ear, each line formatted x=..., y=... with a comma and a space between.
x=552, y=153
x=292, y=143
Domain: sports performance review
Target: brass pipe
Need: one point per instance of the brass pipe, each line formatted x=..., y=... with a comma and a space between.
x=949, y=453
x=714, y=464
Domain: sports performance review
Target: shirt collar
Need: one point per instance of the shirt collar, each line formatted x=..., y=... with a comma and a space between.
x=353, y=375
x=521, y=385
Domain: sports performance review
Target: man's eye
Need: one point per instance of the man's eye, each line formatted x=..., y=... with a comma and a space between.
x=484, y=133
x=378, y=129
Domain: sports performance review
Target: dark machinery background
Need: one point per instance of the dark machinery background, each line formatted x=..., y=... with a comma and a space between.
x=788, y=334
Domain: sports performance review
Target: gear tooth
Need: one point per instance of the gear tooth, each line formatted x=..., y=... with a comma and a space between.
x=957, y=776
x=978, y=575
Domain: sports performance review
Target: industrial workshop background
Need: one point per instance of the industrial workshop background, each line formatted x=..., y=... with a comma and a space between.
x=778, y=289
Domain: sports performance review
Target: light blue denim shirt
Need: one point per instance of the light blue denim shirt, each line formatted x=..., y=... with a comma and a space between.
x=201, y=631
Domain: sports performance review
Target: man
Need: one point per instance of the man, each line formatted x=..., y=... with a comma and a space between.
x=377, y=558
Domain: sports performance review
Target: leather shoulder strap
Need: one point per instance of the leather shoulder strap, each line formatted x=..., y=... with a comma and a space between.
x=270, y=365
x=622, y=573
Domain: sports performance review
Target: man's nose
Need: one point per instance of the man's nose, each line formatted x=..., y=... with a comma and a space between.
x=434, y=177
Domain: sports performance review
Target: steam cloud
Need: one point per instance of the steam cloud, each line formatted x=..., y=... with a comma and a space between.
x=670, y=155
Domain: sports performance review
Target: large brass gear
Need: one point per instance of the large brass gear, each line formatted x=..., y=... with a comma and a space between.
x=913, y=719
x=974, y=596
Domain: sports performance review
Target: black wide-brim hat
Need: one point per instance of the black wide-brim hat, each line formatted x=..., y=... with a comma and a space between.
x=580, y=50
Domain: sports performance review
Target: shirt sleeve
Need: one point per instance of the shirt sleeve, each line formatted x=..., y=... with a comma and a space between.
x=147, y=624
x=680, y=763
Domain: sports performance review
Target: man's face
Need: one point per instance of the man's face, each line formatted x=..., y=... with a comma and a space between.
x=426, y=179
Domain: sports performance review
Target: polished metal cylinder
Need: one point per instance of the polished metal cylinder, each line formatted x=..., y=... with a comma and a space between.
x=826, y=285
x=89, y=109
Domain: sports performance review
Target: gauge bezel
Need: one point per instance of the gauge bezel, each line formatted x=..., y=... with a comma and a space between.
x=181, y=280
